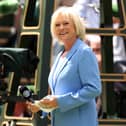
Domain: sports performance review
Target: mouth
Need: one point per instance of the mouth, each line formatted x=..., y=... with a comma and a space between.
x=63, y=33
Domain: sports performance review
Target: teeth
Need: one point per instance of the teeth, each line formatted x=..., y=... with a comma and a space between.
x=62, y=33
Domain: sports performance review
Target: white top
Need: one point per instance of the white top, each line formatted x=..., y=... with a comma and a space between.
x=119, y=53
x=89, y=10
x=118, y=49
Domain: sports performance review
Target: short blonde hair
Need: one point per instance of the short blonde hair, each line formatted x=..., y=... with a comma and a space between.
x=70, y=13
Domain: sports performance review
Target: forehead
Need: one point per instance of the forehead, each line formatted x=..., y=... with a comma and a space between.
x=63, y=17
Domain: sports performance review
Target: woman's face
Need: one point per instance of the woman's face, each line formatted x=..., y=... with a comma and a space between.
x=65, y=29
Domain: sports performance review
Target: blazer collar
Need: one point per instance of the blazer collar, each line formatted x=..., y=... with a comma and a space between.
x=68, y=56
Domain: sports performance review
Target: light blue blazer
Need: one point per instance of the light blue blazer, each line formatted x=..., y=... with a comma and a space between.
x=76, y=85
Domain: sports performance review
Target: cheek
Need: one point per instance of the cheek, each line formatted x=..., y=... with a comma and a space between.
x=56, y=30
x=56, y=33
x=72, y=31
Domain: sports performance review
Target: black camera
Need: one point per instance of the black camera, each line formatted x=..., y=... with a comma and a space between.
x=19, y=60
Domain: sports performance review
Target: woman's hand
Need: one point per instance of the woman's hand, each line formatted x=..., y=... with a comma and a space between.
x=49, y=101
x=33, y=107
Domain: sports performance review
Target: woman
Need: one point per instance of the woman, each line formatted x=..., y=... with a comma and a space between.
x=74, y=78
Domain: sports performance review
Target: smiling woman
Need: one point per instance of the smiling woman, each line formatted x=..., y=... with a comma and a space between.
x=74, y=79
x=64, y=23
x=64, y=30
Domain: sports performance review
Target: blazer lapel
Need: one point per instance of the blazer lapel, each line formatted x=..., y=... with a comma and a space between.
x=53, y=70
x=68, y=57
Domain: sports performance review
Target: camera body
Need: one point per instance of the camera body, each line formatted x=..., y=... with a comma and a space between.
x=19, y=60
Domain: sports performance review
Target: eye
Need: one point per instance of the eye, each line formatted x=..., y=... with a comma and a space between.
x=65, y=23
x=57, y=25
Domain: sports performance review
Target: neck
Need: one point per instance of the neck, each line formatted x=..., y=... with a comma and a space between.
x=68, y=45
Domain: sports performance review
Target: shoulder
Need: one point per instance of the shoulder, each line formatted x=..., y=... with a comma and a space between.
x=85, y=51
x=84, y=47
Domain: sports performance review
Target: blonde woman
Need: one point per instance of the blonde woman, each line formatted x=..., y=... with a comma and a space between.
x=74, y=78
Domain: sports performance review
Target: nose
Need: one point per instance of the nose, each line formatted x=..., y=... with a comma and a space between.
x=61, y=26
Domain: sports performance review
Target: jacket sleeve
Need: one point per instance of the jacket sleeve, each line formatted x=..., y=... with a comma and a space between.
x=90, y=80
